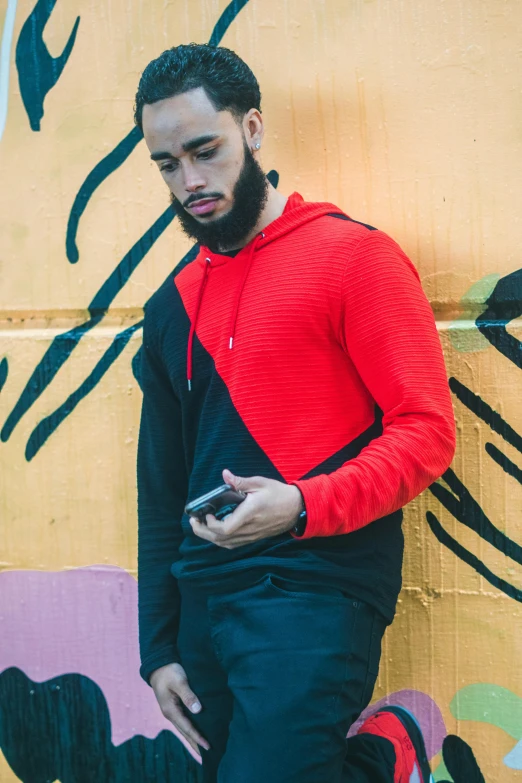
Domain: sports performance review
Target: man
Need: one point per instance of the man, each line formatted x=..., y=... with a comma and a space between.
x=295, y=358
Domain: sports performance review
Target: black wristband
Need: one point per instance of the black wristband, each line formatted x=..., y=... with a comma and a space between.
x=300, y=526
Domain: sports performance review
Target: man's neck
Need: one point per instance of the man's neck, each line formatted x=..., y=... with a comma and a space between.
x=274, y=208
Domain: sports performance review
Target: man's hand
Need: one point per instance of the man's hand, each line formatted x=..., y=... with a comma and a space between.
x=270, y=508
x=171, y=688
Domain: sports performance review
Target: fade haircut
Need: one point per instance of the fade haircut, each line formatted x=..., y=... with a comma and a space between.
x=228, y=82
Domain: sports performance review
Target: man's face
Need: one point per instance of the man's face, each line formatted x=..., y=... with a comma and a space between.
x=217, y=187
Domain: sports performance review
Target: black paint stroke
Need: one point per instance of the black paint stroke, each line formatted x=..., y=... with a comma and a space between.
x=4, y=369
x=505, y=463
x=462, y=505
x=444, y=537
x=225, y=20
x=481, y=409
x=273, y=178
x=56, y=355
x=123, y=149
x=460, y=761
x=94, y=179
x=49, y=424
x=129, y=263
x=64, y=344
x=38, y=71
x=465, y=509
x=503, y=306
x=61, y=730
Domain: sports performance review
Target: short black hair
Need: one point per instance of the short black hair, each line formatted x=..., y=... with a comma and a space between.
x=227, y=80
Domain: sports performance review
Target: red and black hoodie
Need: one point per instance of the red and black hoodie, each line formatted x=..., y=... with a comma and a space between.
x=312, y=357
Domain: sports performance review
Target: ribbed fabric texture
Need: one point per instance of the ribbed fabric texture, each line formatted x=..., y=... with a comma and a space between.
x=387, y=328
x=335, y=382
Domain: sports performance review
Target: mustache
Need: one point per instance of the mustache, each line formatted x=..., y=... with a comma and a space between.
x=199, y=197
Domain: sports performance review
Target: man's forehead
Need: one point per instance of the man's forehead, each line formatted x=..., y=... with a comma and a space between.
x=184, y=116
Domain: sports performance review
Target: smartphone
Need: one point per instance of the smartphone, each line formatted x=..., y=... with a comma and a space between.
x=219, y=502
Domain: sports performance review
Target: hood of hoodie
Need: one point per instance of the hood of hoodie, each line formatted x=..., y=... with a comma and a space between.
x=297, y=212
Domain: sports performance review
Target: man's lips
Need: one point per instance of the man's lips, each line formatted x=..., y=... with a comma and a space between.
x=203, y=206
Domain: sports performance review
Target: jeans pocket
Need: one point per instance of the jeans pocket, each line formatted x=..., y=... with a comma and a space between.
x=293, y=588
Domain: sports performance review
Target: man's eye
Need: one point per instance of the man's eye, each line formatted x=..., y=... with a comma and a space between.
x=167, y=167
x=206, y=154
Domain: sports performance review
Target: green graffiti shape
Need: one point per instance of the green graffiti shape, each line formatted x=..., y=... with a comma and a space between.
x=489, y=704
x=441, y=774
x=463, y=332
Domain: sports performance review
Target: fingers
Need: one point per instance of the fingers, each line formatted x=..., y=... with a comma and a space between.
x=220, y=532
x=173, y=711
x=173, y=692
x=241, y=515
x=216, y=530
x=180, y=687
x=200, y=529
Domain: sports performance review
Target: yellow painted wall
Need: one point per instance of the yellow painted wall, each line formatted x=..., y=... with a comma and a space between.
x=408, y=115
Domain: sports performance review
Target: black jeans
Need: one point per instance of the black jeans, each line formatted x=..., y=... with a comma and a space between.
x=282, y=670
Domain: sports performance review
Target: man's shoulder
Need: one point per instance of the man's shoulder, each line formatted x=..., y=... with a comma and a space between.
x=358, y=234
x=356, y=225
x=338, y=227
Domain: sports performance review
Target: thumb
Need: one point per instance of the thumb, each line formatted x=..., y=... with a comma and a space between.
x=240, y=483
x=186, y=694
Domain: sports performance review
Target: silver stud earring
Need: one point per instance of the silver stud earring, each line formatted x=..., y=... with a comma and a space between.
x=258, y=146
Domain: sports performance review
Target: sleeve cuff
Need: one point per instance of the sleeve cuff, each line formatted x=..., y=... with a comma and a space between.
x=161, y=658
x=315, y=518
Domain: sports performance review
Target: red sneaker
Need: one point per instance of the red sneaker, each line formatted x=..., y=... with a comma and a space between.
x=401, y=728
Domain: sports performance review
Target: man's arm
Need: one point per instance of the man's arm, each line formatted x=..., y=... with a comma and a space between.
x=389, y=332
x=162, y=486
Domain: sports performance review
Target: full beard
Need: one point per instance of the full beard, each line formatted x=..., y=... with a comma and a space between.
x=230, y=231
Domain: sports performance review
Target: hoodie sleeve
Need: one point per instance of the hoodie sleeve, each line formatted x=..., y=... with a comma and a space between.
x=389, y=331
x=161, y=497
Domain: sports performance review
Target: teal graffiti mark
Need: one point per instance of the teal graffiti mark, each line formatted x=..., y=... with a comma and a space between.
x=5, y=61
x=4, y=369
x=503, y=306
x=463, y=331
x=497, y=706
x=38, y=71
x=50, y=423
x=60, y=730
x=103, y=169
x=64, y=344
x=460, y=761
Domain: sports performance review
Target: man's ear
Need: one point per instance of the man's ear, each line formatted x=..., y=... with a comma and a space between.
x=253, y=128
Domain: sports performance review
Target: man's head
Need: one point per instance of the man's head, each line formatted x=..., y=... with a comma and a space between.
x=199, y=108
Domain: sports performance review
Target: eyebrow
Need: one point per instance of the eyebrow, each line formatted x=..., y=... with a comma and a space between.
x=187, y=147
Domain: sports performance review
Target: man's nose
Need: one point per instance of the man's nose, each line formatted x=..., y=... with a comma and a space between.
x=193, y=180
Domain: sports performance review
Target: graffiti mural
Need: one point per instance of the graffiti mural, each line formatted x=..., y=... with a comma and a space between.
x=82, y=690
x=38, y=71
x=407, y=125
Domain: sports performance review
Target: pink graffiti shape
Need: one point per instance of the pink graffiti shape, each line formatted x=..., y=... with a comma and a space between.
x=82, y=621
x=425, y=710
